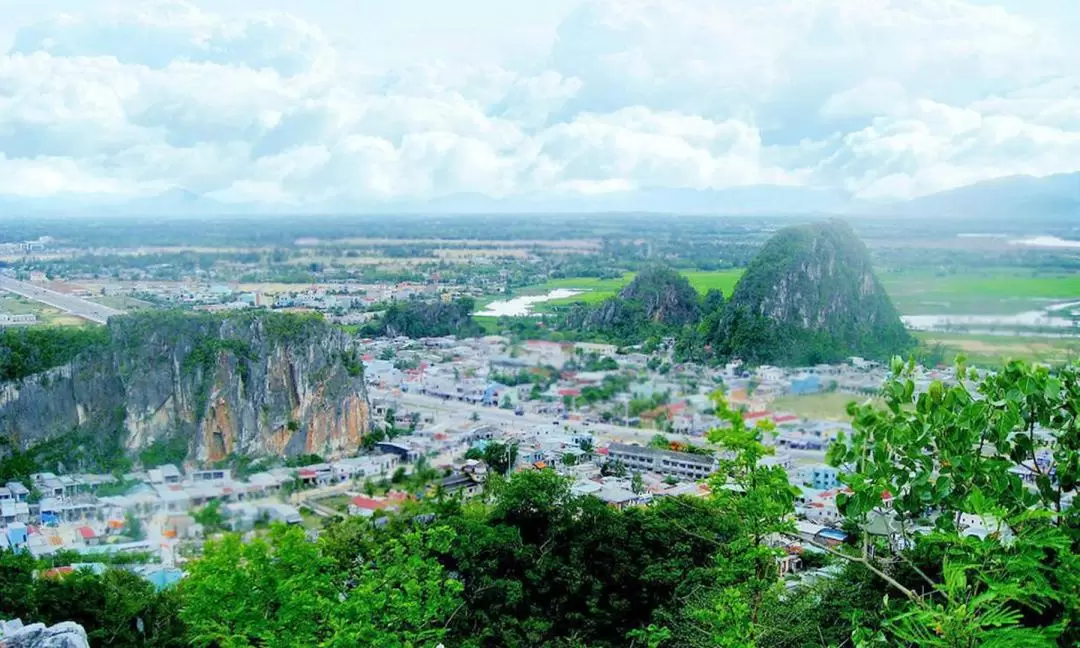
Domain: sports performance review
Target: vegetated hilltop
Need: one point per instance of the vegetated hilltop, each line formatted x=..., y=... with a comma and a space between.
x=202, y=386
x=810, y=296
x=658, y=299
x=427, y=319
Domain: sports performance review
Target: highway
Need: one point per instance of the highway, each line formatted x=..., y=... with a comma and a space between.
x=75, y=305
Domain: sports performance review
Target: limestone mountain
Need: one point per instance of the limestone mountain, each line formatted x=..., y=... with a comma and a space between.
x=658, y=298
x=254, y=384
x=810, y=296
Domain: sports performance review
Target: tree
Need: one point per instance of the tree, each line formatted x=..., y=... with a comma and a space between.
x=286, y=591
x=501, y=457
x=760, y=497
x=636, y=483
x=950, y=455
x=133, y=527
x=506, y=402
x=474, y=417
x=210, y=516
x=613, y=468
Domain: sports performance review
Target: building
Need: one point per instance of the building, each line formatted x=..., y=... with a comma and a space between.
x=820, y=476
x=683, y=465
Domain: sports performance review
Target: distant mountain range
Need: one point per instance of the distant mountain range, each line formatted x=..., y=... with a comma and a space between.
x=1056, y=195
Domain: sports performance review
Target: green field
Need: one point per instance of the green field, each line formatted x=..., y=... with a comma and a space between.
x=597, y=290
x=994, y=292
x=819, y=406
x=992, y=350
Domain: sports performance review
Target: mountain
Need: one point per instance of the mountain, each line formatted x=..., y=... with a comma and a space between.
x=1004, y=198
x=251, y=384
x=810, y=296
x=658, y=299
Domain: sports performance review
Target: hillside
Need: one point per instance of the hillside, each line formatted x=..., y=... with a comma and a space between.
x=658, y=299
x=999, y=199
x=810, y=296
x=206, y=386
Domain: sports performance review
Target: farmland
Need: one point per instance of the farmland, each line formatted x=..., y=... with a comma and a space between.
x=597, y=290
x=993, y=292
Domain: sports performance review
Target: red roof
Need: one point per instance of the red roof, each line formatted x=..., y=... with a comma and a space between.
x=602, y=451
x=372, y=504
x=569, y=392
x=785, y=418
x=307, y=473
x=755, y=415
x=87, y=533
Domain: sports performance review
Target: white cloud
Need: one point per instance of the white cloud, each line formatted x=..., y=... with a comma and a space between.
x=882, y=98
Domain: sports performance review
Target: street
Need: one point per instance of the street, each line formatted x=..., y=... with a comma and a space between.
x=75, y=305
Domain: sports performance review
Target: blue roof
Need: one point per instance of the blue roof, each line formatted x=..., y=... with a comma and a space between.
x=833, y=534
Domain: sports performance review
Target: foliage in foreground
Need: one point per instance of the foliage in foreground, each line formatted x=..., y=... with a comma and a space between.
x=535, y=565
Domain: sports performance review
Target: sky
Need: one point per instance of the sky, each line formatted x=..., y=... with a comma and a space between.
x=365, y=102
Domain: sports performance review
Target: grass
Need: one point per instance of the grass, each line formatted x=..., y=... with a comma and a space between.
x=597, y=290
x=46, y=315
x=993, y=350
x=337, y=502
x=826, y=406
x=993, y=292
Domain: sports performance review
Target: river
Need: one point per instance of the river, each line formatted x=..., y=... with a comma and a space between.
x=521, y=306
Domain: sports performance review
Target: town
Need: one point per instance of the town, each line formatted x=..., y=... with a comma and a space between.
x=626, y=428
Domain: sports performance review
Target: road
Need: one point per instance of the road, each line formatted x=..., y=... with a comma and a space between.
x=507, y=418
x=75, y=305
x=603, y=431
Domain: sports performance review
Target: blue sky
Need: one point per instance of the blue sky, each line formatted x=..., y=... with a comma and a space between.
x=364, y=101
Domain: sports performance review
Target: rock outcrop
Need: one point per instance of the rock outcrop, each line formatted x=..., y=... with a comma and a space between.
x=62, y=635
x=257, y=383
x=657, y=298
x=809, y=296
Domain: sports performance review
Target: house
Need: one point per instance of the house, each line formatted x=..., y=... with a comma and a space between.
x=19, y=492
x=617, y=497
x=166, y=474
x=18, y=535
x=461, y=485
x=216, y=474
x=281, y=513
x=683, y=465
x=819, y=476
x=368, y=506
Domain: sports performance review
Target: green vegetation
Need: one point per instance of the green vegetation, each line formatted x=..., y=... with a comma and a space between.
x=532, y=564
x=31, y=350
x=985, y=291
x=426, y=319
x=597, y=290
x=166, y=450
x=810, y=296
x=993, y=350
x=823, y=406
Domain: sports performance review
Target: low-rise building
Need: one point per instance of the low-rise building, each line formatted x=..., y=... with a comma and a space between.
x=683, y=465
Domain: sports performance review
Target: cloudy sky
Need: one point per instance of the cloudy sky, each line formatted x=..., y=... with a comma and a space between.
x=365, y=101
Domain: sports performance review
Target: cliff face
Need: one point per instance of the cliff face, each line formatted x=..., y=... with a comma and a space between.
x=251, y=384
x=811, y=296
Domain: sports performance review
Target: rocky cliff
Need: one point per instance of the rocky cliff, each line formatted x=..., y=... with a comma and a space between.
x=255, y=384
x=810, y=296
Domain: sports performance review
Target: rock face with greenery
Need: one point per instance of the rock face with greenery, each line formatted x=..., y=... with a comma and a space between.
x=658, y=299
x=810, y=296
x=427, y=319
x=179, y=385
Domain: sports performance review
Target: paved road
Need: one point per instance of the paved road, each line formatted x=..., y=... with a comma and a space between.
x=507, y=418
x=602, y=431
x=75, y=305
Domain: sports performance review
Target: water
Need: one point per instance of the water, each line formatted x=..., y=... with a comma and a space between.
x=521, y=306
x=1047, y=318
x=1046, y=242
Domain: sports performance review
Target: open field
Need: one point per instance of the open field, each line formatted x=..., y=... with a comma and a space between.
x=597, y=290
x=994, y=292
x=46, y=315
x=992, y=350
x=819, y=406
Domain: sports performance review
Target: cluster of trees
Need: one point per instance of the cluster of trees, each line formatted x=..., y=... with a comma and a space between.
x=533, y=564
x=30, y=350
x=418, y=319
